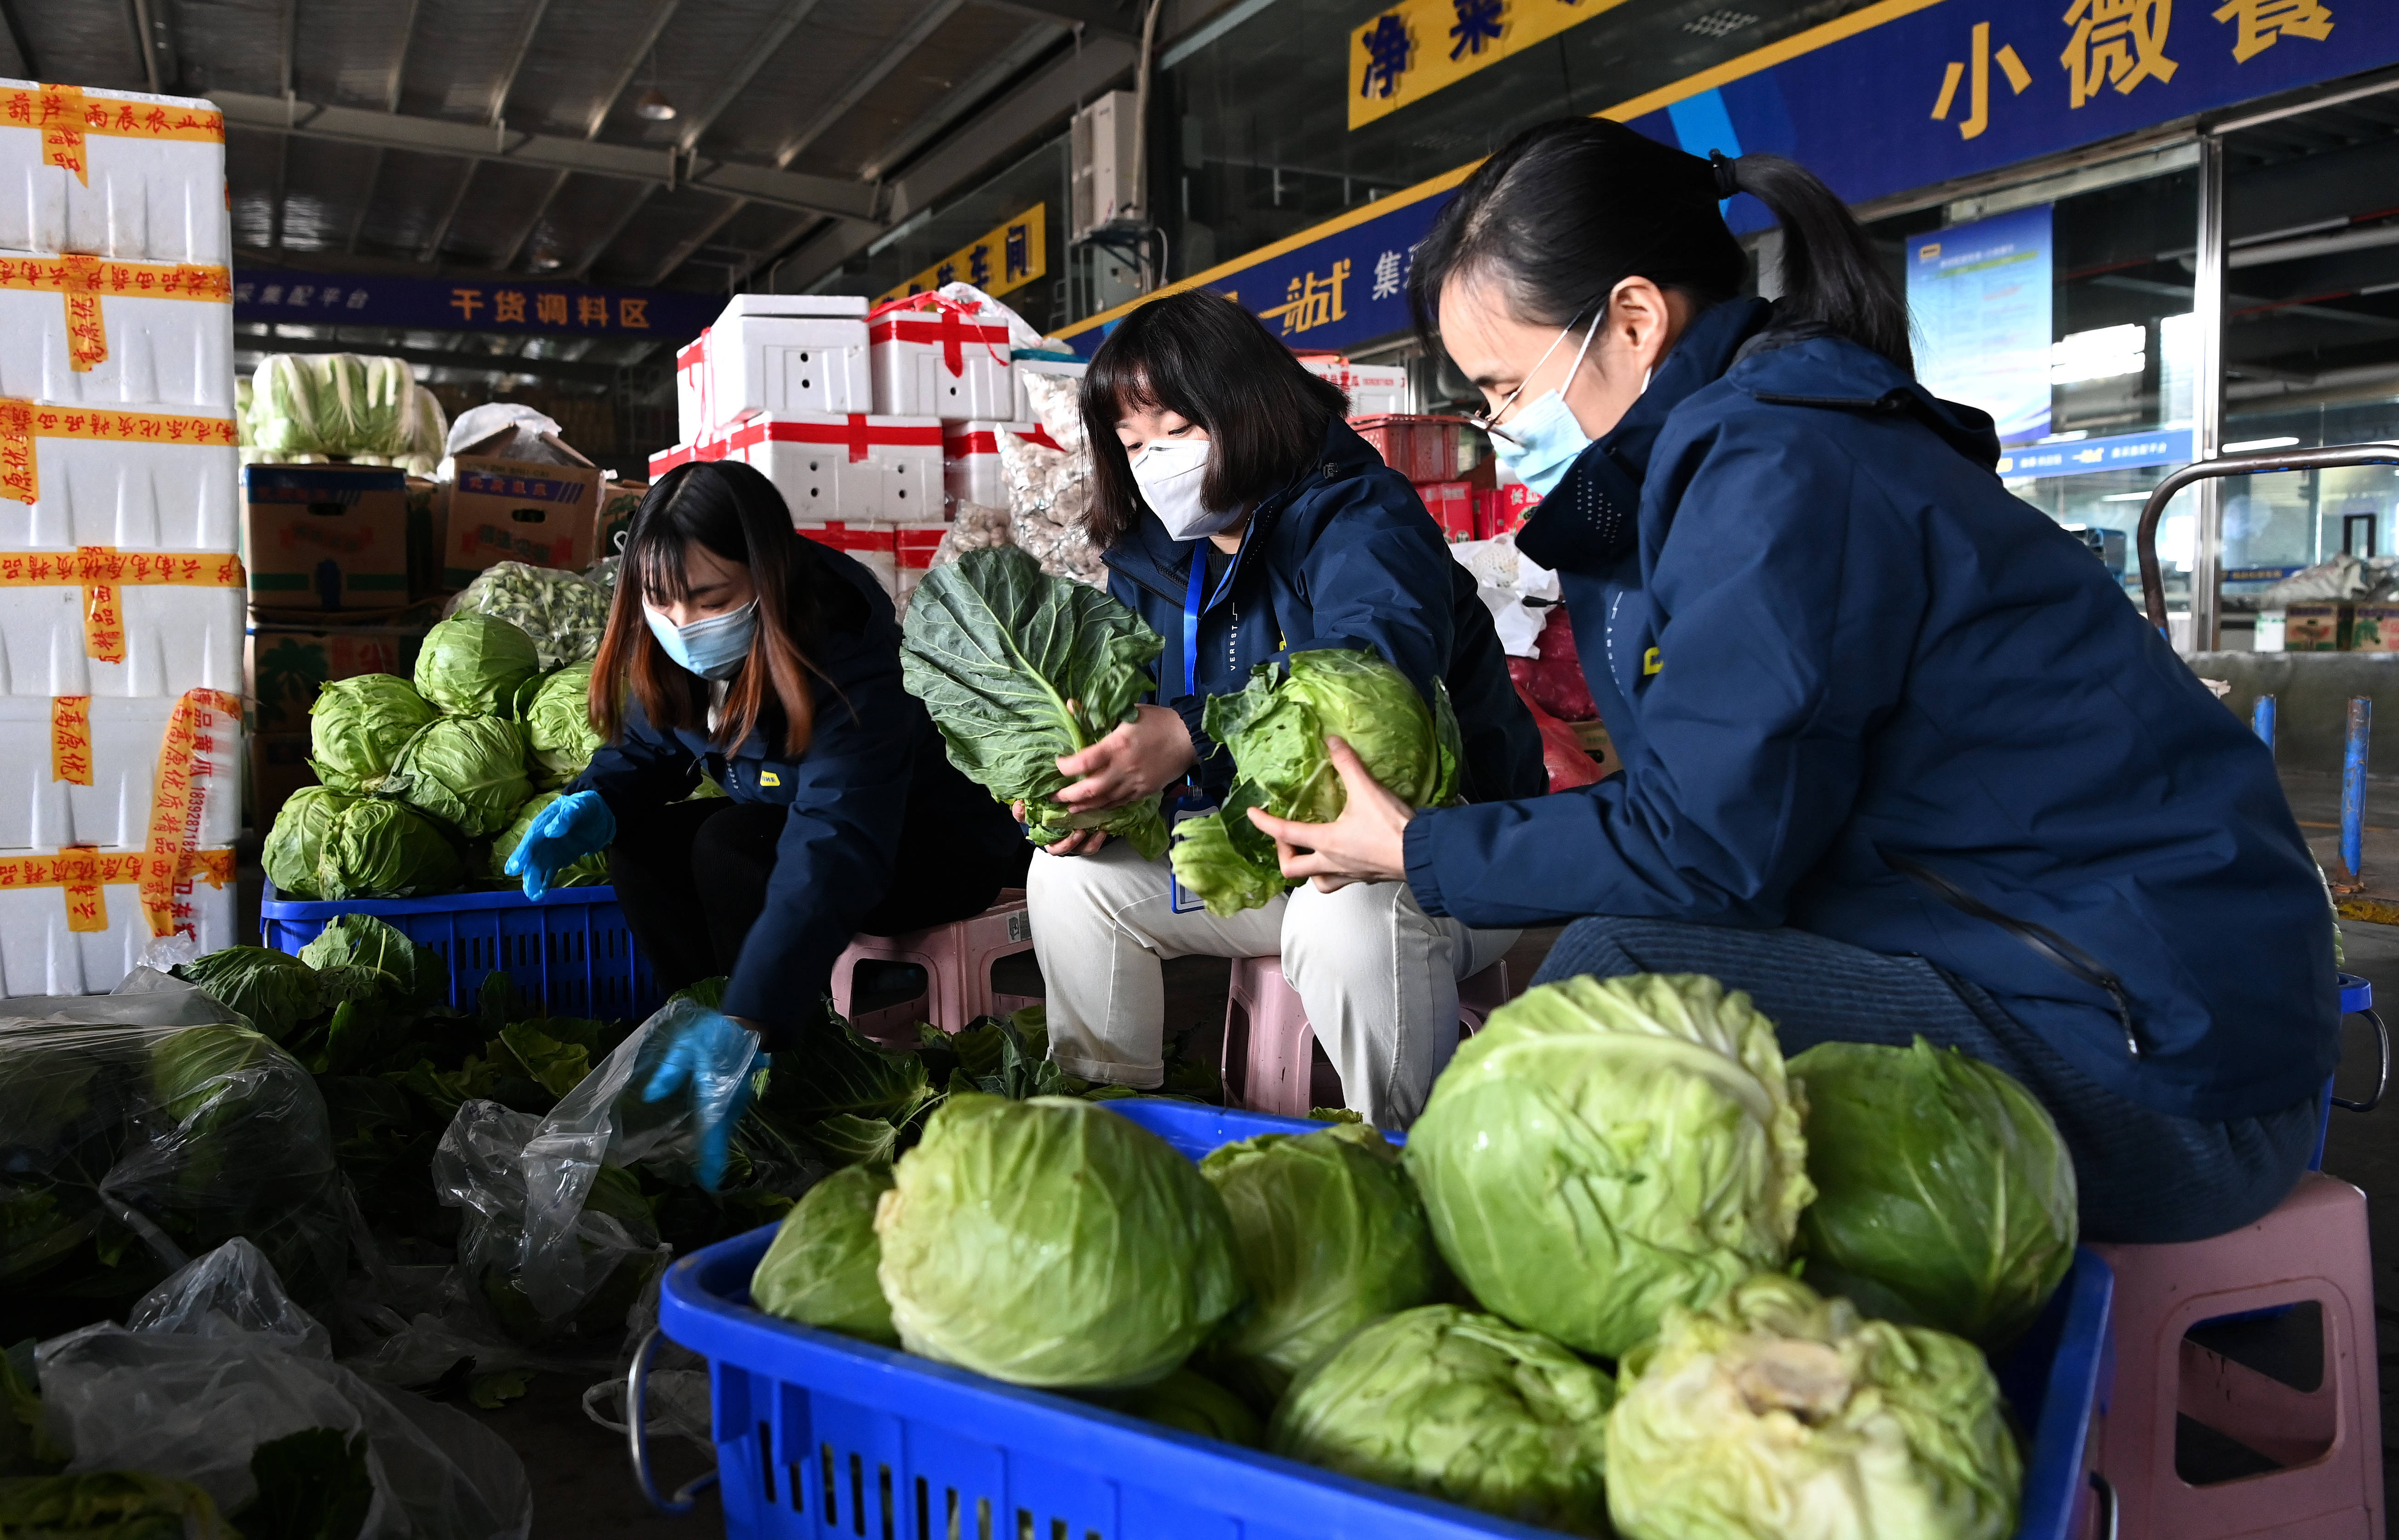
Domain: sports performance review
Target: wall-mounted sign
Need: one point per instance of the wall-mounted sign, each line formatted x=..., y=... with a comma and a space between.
x=1418, y=47
x=1010, y=255
x=470, y=305
x=1980, y=294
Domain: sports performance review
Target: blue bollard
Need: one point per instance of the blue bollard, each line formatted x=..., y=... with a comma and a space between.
x=2353, y=786
x=2261, y=721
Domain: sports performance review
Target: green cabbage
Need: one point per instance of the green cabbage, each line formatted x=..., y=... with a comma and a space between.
x=274, y=991
x=1776, y=1414
x=584, y=870
x=365, y=958
x=1192, y=1402
x=1604, y=1150
x=357, y=725
x=1329, y=1234
x=558, y=726
x=476, y=665
x=109, y=1505
x=1019, y=670
x=1458, y=1406
x=378, y=849
x=1276, y=729
x=1051, y=1242
x=343, y=404
x=297, y=840
x=1944, y=1196
x=470, y=771
x=565, y=613
x=820, y=1270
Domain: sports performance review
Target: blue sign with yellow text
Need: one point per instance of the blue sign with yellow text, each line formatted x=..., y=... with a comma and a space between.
x=470, y=305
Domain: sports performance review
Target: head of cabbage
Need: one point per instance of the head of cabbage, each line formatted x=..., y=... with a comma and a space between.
x=1459, y=1406
x=1275, y=729
x=297, y=840
x=1945, y=1195
x=1605, y=1149
x=558, y=726
x=378, y=849
x=821, y=1269
x=583, y=872
x=1773, y=1402
x=1049, y=1242
x=358, y=726
x=1192, y=1402
x=1329, y=1234
x=476, y=665
x=470, y=771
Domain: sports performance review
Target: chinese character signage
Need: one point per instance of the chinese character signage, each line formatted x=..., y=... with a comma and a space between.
x=1980, y=297
x=1010, y=255
x=1416, y=46
x=470, y=305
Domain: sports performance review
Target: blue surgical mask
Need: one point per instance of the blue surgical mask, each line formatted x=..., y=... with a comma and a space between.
x=1544, y=440
x=712, y=648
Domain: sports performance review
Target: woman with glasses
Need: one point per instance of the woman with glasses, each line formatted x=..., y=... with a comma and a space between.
x=1899, y=757
x=1244, y=521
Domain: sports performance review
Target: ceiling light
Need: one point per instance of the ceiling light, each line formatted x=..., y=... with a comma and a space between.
x=654, y=106
x=2249, y=445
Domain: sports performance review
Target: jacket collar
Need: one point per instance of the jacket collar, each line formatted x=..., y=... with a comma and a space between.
x=1158, y=561
x=1701, y=356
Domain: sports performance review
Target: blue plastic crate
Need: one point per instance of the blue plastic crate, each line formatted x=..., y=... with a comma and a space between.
x=568, y=954
x=819, y=1434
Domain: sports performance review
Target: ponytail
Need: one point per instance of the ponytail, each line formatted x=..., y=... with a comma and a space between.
x=1570, y=208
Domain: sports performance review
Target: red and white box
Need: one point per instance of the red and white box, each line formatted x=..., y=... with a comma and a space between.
x=970, y=467
x=1452, y=507
x=875, y=547
x=1375, y=390
x=1501, y=511
x=913, y=557
x=785, y=354
x=935, y=358
x=849, y=469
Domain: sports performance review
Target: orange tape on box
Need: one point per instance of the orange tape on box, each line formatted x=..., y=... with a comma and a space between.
x=102, y=570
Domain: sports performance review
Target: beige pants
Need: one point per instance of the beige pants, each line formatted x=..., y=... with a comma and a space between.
x=1377, y=975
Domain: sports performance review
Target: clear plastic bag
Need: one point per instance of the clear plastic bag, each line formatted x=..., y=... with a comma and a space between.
x=220, y=1361
x=1050, y=490
x=564, y=612
x=141, y=1128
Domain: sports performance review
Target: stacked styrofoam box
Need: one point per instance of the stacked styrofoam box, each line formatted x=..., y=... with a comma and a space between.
x=1375, y=390
x=781, y=355
x=115, y=431
x=854, y=468
x=941, y=363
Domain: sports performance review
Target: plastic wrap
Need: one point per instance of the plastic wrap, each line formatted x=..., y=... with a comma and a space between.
x=1515, y=589
x=564, y=612
x=1562, y=755
x=1050, y=491
x=219, y=1360
x=343, y=404
x=141, y=1128
x=1555, y=679
x=975, y=527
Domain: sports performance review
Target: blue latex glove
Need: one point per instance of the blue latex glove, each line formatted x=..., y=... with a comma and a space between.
x=575, y=825
x=716, y=1057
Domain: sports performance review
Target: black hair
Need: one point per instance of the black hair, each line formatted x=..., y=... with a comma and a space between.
x=1205, y=358
x=1573, y=207
x=735, y=512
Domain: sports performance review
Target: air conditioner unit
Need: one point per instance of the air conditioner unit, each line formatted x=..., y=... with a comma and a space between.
x=1104, y=180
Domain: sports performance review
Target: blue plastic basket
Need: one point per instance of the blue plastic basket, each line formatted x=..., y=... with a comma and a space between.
x=568, y=954
x=819, y=1434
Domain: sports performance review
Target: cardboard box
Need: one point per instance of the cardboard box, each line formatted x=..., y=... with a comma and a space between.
x=278, y=766
x=325, y=537
x=2315, y=628
x=286, y=665
x=506, y=507
x=1502, y=511
x=1452, y=507
x=2270, y=632
x=619, y=501
x=2374, y=629
x=1373, y=389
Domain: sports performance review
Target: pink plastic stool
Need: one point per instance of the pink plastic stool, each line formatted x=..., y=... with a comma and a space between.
x=1269, y=1063
x=956, y=959
x=2329, y=1440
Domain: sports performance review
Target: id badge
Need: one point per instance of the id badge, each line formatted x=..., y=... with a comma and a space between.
x=1179, y=900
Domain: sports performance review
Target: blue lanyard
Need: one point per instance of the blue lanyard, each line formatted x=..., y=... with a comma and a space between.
x=1191, y=606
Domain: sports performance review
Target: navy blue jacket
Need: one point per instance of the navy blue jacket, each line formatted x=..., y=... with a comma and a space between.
x=873, y=775
x=1346, y=555
x=1840, y=648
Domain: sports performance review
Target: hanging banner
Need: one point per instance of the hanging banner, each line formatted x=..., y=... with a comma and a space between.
x=470, y=305
x=1420, y=46
x=1010, y=255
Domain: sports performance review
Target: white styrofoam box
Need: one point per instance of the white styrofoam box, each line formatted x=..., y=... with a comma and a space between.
x=132, y=479
x=176, y=639
x=1375, y=389
x=937, y=364
x=112, y=174
x=40, y=811
x=691, y=394
x=153, y=335
x=875, y=548
x=970, y=470
x=689, y=450
x=784, y=355
x=911, y=552
x=847, y=469
x=41, y=953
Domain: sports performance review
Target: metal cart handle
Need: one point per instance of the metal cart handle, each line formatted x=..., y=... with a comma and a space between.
x=637, y=1382
x=2153, y=583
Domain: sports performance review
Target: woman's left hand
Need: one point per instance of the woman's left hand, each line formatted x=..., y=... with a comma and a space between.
x=1366, y=843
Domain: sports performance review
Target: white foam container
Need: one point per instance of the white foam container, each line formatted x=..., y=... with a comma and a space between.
x=784, y=355
x=40, y=813
x=970, y=468
x=176, y=639
x=140, y=200
x=913, y=378
x=170, y=354
x=1375, y=390
x=808, y=458
x=132, y=496
x=875, y=548
x=40, y=955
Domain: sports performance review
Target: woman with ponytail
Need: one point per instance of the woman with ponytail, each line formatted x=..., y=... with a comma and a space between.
x=1898, y=758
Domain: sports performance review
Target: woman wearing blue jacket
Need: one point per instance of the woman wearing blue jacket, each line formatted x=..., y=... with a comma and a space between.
x=1244, y=521
x=739, y=650
x=1899, y=757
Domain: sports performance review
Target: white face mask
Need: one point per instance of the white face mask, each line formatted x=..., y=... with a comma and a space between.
x=1170, y=473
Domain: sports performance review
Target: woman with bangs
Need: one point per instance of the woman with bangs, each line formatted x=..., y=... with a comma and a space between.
x=1244, y=521
x=738, y=650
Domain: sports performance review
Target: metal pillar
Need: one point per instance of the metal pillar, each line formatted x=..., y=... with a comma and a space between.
x=2208, y=396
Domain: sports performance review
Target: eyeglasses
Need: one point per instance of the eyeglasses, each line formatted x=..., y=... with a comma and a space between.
x=1489, y=422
